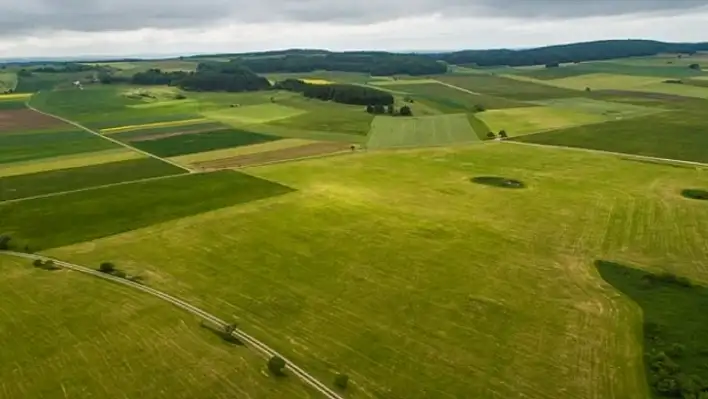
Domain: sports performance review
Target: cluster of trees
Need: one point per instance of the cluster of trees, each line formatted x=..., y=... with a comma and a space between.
x=374, y=63
x=576, y=52
x=215, y=76
x=341, y=93
x=45, y=265
x=67, y=67
x=666, y=376
x=380, y=109
x=697, y=67
x=502, y=135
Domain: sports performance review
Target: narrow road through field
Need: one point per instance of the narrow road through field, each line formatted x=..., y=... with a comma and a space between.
x=458, y=88
x=245, y=338
x=95, y=133
x=621, y=154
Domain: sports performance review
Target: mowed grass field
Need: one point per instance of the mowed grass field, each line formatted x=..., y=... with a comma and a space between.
x=395, y=268
x=392, y=132
x=66, y=335
x=47, y=144
x=520, y=121
x=56, y=181
x=68, y=161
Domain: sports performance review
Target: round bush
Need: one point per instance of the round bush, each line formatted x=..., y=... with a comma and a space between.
x=695, y=194
x=501, y=182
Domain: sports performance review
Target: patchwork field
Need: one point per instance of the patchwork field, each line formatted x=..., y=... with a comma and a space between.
x=609, y=109
x=68, y=161
x=129, y=343
x=507, y=88
x=277, y=155
x=55, y=181
x=116, y=209
x=320, y=272
x=199, y=142
x=43, y=145
x=390, y=132
x=243, y=150
x=250, y=114
x=450, y=100
x=520, y=121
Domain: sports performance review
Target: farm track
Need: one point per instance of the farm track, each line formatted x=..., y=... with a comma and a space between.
x=620, y=154
x=244, y=337
x=458, y=88
x=95, y=133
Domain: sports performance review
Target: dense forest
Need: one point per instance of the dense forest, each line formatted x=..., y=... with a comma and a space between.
x=341, y=93
x=224, y=76
x=576, y=52
x=373, y=63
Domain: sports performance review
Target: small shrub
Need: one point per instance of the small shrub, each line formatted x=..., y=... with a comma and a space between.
x=491, y=136
x=119, y=274
x=276, y=365
x=37, y=263
x=180, y=96
x=676, y=350
x=695, y=67
x=107, y=267
x=5, y=242
x=503, y=134
x=696, y=194
x=406, y=111
x=674, y=81
x=341, y=381
x=479, y=108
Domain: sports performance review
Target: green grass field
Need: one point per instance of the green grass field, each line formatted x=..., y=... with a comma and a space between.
x=507, y=88
x=200, y=142
x=66, y=335
x=56, y=181
x=674, y=322
x=249, y=114
x=68, y=161
x=606, y=108
x=450, y=100
x=111, y=210
x=11, y=103
x=674, y=135
x=19, y=147
x=398, y=270
x=391, y=132
x=520, y=121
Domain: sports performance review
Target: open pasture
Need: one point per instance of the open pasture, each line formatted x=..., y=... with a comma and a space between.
x=368, y=267
x=116, y=209
x=392, y=132
x=602, y=81
x=520, y=121
x=615, y=67
x=155, y=125
x=450, y=100
x=199, y=142
x=68, y=161
x=349, y=120
x=609, y=109
x=161, y=131
x=507, y=88
x=309, y=150
x=99, y=340
x=69, y=179
x=44, y=145
x=250, y=114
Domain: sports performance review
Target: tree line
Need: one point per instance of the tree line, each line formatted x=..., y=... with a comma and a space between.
x=373, y=63
x=576, y=52
x=341, y=93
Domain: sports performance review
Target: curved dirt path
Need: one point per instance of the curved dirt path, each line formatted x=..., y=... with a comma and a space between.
x=95, y=133
x=245, y=338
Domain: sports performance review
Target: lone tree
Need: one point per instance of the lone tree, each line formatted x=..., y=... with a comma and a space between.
x=107, y=267
x=552, y=65
x=695, y=66
x=379, y=109
x=391, y=109
x=341, y=381
x=503, y=134
x=588, y=89
x=276, y=365
x=406, y=111
x=491, y=135
x=370, y=109
x=37, y=263
x=479, y=108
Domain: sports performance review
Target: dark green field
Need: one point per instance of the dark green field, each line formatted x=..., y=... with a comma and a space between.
x=81, y=216
x=11, y=104
x=667, y=70
x=449, y=100
x=55, y=181
x=677, y=135
x=16, y=147
x=508, y=88
x=144, y=133
x=675, y=328
x=200, y=142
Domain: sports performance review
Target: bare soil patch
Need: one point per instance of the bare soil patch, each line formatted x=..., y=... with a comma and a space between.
x=284, y=154
x=25, y=119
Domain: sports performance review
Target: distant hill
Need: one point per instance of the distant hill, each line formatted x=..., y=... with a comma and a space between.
x=575, y=52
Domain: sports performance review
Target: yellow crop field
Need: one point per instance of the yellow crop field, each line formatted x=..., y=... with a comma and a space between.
x=154, y=125
x=317, y=81
x=15, y=96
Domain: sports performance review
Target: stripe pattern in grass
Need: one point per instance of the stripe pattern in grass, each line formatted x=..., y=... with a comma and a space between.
x=439, y=130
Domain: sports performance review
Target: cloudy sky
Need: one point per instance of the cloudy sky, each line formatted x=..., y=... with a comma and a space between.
x=130, y=27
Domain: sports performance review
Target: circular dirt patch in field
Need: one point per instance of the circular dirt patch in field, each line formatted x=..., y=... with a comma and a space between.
x=696, y=194
x=501, y=182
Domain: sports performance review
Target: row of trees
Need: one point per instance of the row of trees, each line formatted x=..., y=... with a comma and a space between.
x=229, y=77
x=373, y=63
x=341, y=93
x=576, y=52
x=380, y=109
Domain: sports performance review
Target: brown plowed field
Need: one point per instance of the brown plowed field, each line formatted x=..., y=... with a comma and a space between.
x=25, y=119
x=285, y=154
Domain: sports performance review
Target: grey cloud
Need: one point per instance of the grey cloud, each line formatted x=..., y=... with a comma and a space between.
x=104, y=15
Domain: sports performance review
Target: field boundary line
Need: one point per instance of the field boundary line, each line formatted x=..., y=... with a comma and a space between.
x=123, y=183
x=244, y=337
x=458, y=88
x=620, y=154
x=95, y=133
